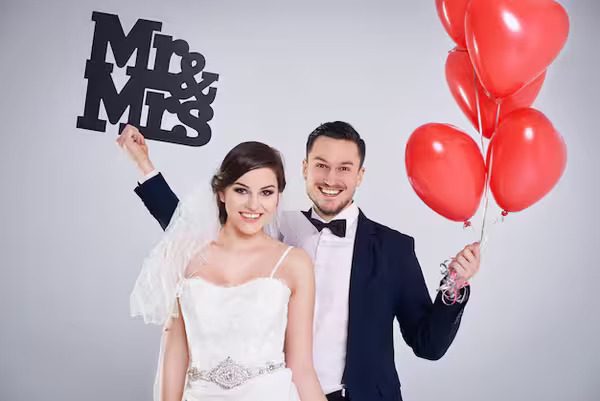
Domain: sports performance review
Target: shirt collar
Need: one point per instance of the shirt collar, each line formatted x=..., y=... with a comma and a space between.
x=350, y=214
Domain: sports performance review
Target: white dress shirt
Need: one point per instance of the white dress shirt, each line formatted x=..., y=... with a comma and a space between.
x=146, y=177
x=332, y=257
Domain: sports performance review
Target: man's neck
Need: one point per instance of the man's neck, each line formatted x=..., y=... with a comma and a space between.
x=328, y=217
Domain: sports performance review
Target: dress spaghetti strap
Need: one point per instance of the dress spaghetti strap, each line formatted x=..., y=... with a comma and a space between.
x=280, y=260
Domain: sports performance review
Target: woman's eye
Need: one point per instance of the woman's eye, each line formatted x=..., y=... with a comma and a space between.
x=240, y=190
x=267, y=192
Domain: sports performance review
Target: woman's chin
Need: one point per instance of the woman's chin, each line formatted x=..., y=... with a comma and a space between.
x=249, y=228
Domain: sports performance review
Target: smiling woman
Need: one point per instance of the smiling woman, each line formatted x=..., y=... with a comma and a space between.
x=235, y=305
x=234, y=180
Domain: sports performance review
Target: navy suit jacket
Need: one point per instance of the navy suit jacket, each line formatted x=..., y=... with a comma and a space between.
x=386, y=283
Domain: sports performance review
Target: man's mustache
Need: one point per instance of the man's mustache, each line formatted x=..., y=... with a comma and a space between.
x=327, y=186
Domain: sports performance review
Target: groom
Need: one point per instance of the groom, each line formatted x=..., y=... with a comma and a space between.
x=366, y=274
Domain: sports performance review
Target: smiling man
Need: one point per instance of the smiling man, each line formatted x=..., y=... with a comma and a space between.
x=367, y=275
x=332, y=169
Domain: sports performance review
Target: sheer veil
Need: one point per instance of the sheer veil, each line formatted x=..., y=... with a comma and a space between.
x=193, y=225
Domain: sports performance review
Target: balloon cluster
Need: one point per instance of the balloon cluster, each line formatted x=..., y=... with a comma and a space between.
x=494, y=73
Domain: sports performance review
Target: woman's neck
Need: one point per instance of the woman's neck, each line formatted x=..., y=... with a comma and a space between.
x=231, y=237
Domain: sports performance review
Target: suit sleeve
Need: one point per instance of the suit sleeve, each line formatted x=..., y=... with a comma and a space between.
x=158, y=198
x=427, y=327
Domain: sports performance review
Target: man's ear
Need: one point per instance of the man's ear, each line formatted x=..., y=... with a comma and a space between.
x=304, y=169
x=359, y=178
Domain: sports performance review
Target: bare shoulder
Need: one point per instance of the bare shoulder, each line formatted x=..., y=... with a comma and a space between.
x=298, y=260
x=297, y=268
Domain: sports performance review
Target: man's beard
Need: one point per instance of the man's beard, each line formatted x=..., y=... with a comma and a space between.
x=330, y=213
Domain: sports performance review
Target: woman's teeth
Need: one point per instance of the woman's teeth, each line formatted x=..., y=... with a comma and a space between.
x=251, y=215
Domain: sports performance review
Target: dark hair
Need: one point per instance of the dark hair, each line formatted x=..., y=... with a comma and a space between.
x=337, y=130
x=245, y=157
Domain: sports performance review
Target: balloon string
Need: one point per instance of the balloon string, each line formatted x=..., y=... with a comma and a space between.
x=483, y=150
x=483, y=238
x=451, y=286
x=478, y=112
x=486, y=188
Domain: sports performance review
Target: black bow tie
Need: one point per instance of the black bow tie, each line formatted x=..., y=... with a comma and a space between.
x=337, y=227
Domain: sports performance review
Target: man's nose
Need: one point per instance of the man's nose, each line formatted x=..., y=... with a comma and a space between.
x=331, y=177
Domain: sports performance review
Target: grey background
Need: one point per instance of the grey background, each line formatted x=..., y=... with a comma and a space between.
x=74, y=233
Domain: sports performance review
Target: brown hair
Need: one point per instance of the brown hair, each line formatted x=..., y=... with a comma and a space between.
x=338, y=130
x=242, y=158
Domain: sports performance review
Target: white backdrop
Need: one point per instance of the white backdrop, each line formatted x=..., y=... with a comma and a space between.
x=74, y=233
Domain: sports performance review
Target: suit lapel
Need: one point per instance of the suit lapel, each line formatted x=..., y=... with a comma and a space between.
x=363, y=269
x=362, y=263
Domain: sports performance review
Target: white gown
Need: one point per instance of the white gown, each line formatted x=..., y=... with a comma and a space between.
x=245, y=323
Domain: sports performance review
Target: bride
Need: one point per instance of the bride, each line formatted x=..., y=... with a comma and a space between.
x=236, y=304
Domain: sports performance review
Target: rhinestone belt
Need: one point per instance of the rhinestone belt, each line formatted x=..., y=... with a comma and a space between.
x=229, y=374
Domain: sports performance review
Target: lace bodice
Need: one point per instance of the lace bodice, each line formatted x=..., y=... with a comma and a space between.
x=246, y=322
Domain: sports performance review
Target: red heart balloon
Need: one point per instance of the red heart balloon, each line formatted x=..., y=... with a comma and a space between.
x=461, y=80
x=452, y=15
x=446, y=170
x=511, y=42
x=527, y=157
